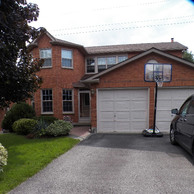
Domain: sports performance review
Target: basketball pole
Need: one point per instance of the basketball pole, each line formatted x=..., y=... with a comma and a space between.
x=155, y=108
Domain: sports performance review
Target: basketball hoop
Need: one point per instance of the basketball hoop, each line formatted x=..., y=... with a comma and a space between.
x=159, y=80
x=158, y=73
x=160, y=84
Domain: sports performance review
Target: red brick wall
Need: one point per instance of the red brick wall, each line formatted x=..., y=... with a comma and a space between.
x=132, y=75
x=58, y=78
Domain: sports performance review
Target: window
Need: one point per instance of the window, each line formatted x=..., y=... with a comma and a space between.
x=47, y=101
x=67, y=58
x=46, y=55
x=101, y=64
x=191, y=107
x=90, y=65
x=67, y=100
x=111, y=61
x=184, y=108
x=121, y=58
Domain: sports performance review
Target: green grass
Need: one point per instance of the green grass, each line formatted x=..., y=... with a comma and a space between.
x=27, y=156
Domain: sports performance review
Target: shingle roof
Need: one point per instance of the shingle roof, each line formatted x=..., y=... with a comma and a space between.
x=134, y=47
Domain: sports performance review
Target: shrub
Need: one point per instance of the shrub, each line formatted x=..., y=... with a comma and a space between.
x=40, y=127
x=46, y=119
x=58, y=128
x=3, y=157
x=24, y=126
x=18, y=111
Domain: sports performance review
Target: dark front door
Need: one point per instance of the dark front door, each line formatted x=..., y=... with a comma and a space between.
x=84, y=106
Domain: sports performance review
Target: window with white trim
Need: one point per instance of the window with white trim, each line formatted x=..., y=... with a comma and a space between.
x=98, y=64
x=91, y=65
x=46, y=54
x=101, y=61
x=121, y=58
x=67, y=100
x=67, y=58
x=47, y=101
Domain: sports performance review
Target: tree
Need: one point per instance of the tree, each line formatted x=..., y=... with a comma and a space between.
x=188, y=56
x=18, y=79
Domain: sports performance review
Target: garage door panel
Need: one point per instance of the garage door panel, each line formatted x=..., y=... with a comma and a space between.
x=127, y=107
x=122, y=116
x=138, y=116
x=124, y=105
x=106, y=95
x=123, y=95
x=107, y=116
x=107, y=105
x=169, y=98
x=139, y=105
x=163, y=104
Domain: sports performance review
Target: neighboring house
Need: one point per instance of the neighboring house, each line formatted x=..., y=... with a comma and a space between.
x=103, y=86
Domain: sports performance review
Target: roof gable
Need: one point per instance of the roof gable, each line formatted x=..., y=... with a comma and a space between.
x=55, y=41
x=152, y=50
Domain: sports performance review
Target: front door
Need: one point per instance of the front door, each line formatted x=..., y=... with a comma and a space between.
x=84, y=107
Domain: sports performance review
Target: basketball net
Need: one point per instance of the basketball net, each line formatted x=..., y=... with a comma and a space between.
x=159, y=81
x=160, y=84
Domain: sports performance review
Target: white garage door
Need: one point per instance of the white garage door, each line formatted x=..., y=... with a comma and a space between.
x=122, y=110
x=167, y=100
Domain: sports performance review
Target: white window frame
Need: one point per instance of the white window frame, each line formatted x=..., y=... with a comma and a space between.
x=69, y=50
x=94, y=65
x=106, y=59
x=72, y=101
x=121, y=56
x=48, y=112
x=46, y=58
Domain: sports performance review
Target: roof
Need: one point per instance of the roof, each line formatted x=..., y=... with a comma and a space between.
x=56, y=41
x=124, y=48
x=163, y=46
x=152, y=50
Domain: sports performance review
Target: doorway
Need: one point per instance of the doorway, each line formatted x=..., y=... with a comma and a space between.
x=84, y=107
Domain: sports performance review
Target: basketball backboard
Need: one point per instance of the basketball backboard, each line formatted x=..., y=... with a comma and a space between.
x=158, y=72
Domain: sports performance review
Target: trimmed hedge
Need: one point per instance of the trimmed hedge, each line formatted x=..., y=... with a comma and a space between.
x=24, y=126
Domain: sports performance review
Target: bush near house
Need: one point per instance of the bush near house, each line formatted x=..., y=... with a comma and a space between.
x=18, y=111
x=46, y=119
x=58, y=128
x=24, y=126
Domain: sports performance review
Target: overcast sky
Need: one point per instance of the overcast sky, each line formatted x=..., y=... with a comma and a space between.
x=110, y=22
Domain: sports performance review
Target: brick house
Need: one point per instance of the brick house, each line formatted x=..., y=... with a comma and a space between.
x=104, y=86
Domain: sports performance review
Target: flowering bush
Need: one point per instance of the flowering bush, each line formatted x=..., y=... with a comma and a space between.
x=3, y=157
x=58, y=128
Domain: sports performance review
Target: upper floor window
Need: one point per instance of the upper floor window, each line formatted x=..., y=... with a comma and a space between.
x=67, y=58
x=47, y=101
x=121, y=58
x=91, y=65
x=46, y=54
x=99, y=64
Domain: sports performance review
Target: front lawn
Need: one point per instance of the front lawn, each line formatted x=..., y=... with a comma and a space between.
x=27, y=156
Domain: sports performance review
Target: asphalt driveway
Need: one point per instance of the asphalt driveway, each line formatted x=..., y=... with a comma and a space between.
x=116, y=163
